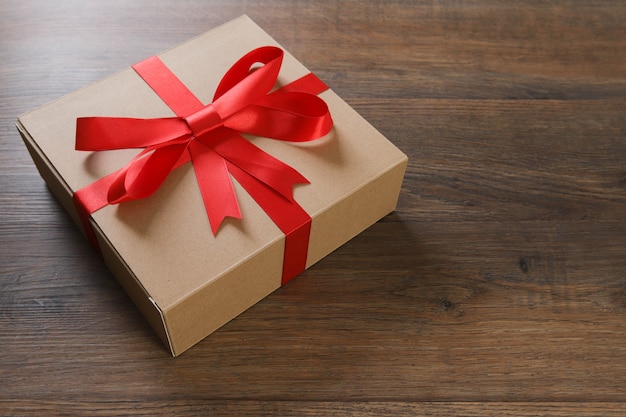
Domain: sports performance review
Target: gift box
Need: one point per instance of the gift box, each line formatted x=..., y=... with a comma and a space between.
x=203, y=195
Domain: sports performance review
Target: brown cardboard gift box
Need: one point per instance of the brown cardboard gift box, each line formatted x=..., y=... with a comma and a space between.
x=186, y=281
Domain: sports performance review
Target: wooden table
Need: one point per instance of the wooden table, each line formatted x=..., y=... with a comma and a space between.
x=498, y=287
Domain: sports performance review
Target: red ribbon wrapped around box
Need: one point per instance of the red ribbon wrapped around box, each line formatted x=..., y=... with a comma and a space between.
x=210, y=137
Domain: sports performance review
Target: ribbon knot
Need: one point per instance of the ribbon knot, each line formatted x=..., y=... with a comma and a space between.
x=243, y=104
x=204, y=121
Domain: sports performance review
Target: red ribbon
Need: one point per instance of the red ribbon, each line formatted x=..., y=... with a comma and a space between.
x=210, y=137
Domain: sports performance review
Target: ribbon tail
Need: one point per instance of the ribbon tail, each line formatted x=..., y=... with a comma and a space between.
x=288, y=215
x=261, y=165
x=215, y=184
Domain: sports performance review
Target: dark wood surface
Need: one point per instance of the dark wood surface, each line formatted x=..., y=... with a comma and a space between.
x=498, y=287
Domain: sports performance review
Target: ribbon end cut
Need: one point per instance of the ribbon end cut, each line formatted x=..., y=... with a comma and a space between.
x=215, y=185
x=216, y=225
x=286, y=190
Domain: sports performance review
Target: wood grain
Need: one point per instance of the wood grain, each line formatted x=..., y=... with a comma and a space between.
x=496, y=288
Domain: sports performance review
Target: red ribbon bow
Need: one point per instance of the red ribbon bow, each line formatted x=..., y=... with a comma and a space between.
x=210, y=137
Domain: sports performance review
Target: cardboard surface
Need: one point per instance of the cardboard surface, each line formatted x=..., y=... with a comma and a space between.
x=186, y=281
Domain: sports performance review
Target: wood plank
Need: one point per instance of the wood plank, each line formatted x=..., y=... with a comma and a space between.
x=356, y=409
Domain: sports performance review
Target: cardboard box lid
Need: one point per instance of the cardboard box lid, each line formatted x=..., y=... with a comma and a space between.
x=166, y=240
